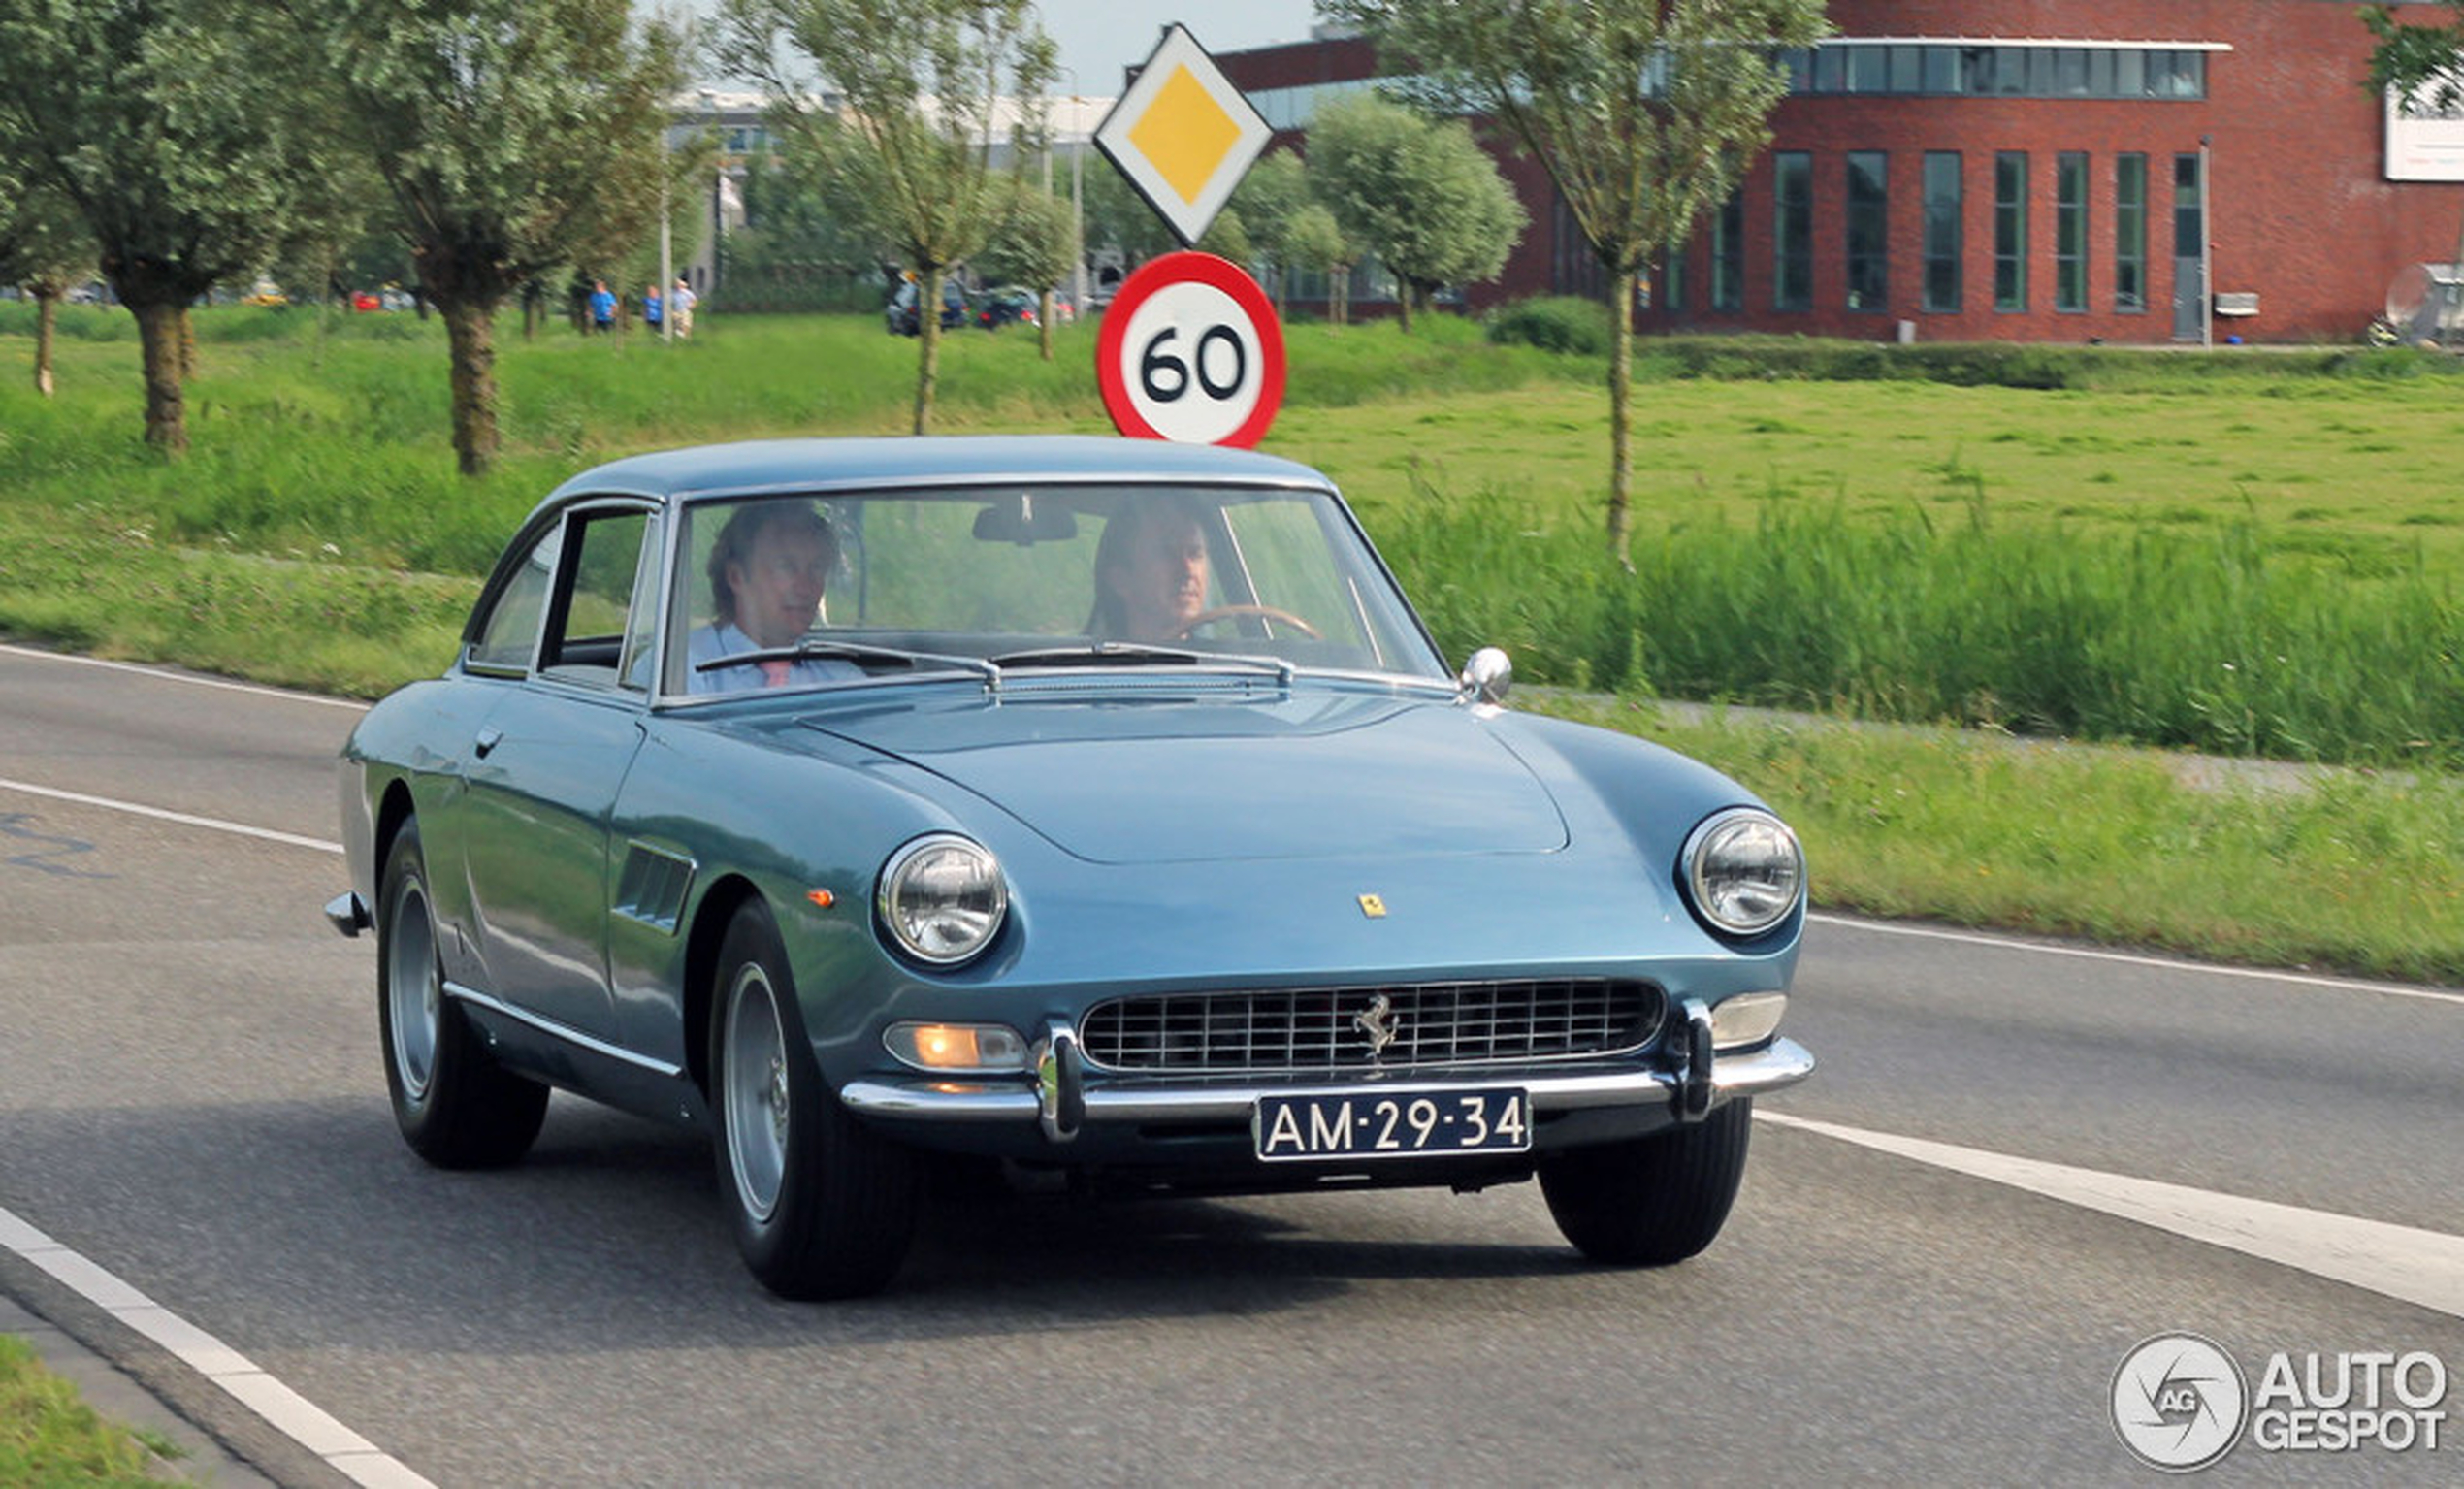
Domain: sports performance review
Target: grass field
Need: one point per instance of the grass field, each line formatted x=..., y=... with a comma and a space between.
x=2250, y=553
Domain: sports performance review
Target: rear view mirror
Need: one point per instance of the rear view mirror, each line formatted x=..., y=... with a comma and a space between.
x=1019, y=520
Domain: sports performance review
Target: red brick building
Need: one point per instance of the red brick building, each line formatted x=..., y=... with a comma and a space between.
x=2032, y=169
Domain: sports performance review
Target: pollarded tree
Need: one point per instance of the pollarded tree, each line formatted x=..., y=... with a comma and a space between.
x=1420, y=194
x=166, y=127
x=1312, y=237
x=1274, y=189
x=1644, y=113
x=1033, y=242
x=513, y=137
x=921, y=87
x=46, y=250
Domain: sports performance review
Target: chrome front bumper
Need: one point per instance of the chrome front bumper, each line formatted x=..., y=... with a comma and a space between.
x=1064, y=1102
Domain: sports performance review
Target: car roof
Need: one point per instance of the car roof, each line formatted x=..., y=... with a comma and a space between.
x=788, y=464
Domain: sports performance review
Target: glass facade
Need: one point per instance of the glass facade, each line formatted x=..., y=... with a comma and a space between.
x=1998, y=70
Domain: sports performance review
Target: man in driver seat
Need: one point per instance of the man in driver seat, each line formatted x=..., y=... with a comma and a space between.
x=1151, y=575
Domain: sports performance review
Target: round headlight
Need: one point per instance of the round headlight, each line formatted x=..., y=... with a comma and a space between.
x=1744, y=871
x=942, y=898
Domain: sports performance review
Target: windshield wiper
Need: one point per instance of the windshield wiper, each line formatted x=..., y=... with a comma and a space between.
x=1103, y=654
x=851, y=651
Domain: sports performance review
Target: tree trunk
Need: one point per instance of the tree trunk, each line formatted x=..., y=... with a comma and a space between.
x=1403, y=304
x=46, y=316
x=1621, y=373
x=1044, y=323
x=928, y=345
x=470, y=338
x=158, y=332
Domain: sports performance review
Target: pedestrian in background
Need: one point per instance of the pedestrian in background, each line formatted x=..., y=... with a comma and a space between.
x=651, y=308
x=681, y=302
x=603, y=306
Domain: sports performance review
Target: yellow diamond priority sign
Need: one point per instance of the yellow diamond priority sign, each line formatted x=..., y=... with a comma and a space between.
x=1183, y=134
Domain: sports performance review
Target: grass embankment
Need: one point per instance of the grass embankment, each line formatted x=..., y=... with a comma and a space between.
x=2252, y=554
x=49, y=1437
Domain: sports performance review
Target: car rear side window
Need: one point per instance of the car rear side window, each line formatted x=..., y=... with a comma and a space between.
x=509, y=637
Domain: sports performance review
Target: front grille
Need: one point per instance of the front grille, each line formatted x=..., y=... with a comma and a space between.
x=1330, y=1028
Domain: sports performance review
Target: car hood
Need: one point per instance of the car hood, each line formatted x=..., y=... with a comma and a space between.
x=1131, y=777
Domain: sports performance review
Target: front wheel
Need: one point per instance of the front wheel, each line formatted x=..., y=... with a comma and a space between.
x=820, y=1208
x=456, y=1107
x=1648, y=1201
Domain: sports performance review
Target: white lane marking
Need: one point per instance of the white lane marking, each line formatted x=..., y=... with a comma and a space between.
x=138, y=809
x=2417, y=1266
x=37, y=654
x=2138, y=960
x=289, y=1412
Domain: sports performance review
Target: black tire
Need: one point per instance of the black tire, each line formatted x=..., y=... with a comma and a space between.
x=1650, y=1201
x=456, y=1107
x=820, y=1208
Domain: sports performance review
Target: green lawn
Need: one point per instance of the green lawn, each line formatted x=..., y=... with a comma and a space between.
x=2252, y=552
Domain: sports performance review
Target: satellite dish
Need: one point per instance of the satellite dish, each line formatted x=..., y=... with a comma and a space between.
x=2425, y=302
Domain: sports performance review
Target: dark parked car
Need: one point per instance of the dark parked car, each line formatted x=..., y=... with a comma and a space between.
x=1006, y=306
x=899, y=316
x=1097, y=806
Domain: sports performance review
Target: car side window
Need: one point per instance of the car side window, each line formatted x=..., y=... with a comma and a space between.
x=591, y=622
x=510, y=635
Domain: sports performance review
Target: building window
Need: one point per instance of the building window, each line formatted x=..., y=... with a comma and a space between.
x=2070, y=231
x=2010, y=231
x=2186, y=230
x=2130, y=233
x=1673, y=278
x=1868, y=230
x=1728, y=255
x=1942, y=204
x=1793, y=231
x=1996, y=69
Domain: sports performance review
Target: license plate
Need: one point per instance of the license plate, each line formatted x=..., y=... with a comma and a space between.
x=1392, y=1124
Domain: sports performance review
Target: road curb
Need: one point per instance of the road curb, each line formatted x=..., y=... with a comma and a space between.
x=137, y=1383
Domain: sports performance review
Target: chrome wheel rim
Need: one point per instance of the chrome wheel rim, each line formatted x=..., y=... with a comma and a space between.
x=755, y=1091
x=414, y=989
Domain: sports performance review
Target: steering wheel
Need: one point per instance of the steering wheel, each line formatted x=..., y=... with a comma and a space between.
x=1234, y=612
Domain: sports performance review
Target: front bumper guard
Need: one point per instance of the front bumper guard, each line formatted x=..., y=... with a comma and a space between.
x=1062, y=1101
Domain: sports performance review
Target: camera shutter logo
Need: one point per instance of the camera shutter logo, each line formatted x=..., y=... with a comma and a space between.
x=2179, y=1402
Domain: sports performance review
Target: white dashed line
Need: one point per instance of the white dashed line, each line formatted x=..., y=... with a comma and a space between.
x=2423, y=1266
x=289, y=1412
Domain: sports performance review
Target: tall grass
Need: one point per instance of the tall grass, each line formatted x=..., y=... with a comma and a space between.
x=2211, y=639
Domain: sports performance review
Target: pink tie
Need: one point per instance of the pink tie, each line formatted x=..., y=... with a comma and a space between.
x=774, y=673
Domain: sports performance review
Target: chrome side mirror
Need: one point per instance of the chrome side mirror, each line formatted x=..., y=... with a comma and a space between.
x=1487, y=676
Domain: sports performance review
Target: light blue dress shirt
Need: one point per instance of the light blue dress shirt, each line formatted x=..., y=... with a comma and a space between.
x=708, y=644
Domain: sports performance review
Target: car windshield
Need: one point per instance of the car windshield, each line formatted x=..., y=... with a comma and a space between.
x=842, y=586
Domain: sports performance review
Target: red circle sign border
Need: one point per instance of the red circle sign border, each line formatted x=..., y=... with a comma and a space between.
x=1184, y=268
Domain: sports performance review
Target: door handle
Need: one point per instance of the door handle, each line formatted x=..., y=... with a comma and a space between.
x=489, y=738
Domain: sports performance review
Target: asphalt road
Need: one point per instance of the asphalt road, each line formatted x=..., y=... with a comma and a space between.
x=190, y=1100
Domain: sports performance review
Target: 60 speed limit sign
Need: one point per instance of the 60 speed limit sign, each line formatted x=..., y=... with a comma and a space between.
x=1190, y=352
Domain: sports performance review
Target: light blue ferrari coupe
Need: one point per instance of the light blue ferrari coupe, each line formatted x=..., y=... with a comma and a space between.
x=1095, y=807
